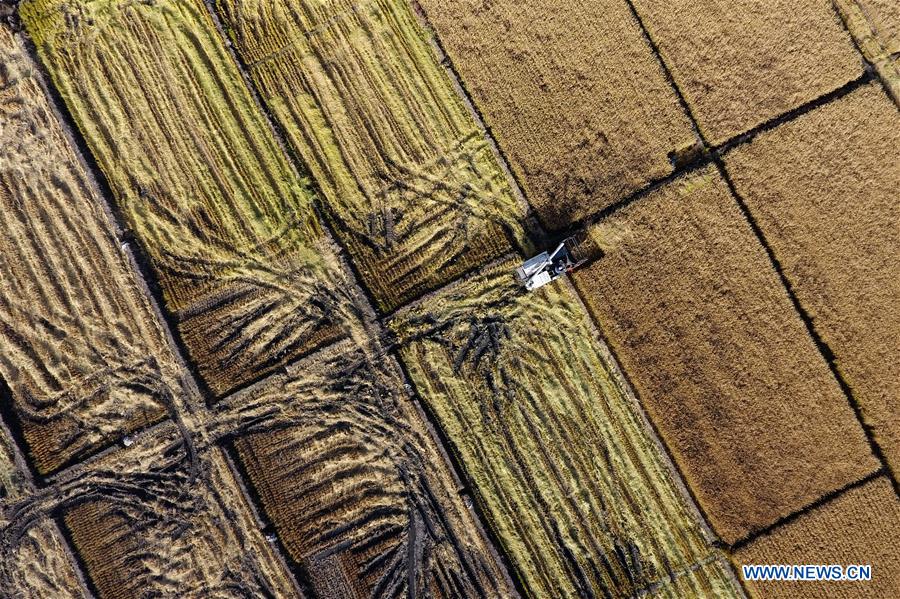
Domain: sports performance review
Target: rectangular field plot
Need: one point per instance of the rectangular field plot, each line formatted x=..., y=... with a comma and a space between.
x=824, y=190
x=170, y=521
x=740, y=64
x=350, y=477
x=80, y=349
x=699, y=320
x=572, y=92
x=573, y=485
x=410, y=181
x=199, y=177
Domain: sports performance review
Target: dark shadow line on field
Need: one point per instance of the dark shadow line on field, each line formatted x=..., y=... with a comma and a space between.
x=818, y=503
x=461, y=474
x=143, y=269
x=821, y=345
x=869, y=65
x=541, y=234
x=254, y=500
x=715, y=155
x=278, y=131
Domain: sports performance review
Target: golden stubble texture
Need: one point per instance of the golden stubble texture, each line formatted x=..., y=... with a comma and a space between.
x=197, y=173
x=349, y=474
x=409, y=179
x=165, y=517
x=569, y=477
x=82, y=354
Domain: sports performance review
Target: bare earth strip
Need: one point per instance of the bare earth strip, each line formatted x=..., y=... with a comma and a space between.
x=82, y=354
x=742, y=63
x=573, y=485
x=572, y=92
x=859, y=527
x=875, y=25
x=37, y=565
x=412, y=184
x=738, y=390
x=824, y=190
x=350, y=477
x=199, y=176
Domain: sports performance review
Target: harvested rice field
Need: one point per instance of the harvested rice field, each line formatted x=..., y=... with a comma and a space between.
x=342, y=299
x=578, y=492
x=858, y=528
x=200, y=179
x=343, y=453
x=695, y=313
x=573, y=93
x=743, y=63
x=413, y=186
x=83, y=358
x=840, y=255
x=165, y=517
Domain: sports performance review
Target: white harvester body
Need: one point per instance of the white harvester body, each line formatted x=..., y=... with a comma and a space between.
x=546, y=267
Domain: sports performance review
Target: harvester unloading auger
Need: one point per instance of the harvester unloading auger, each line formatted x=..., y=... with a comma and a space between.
x=571, y=253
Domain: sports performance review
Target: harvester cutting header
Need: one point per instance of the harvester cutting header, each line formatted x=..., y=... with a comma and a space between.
x=549, y=266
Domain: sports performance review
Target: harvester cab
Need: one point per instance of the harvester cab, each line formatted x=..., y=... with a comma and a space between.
x=549, y=266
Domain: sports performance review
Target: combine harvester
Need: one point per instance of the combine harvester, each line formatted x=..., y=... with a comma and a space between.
x=546, y=267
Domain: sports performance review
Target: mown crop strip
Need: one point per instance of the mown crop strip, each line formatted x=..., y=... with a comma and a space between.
x=199, y=177
x=411, y=184
x=573, y=485
x=84, y=360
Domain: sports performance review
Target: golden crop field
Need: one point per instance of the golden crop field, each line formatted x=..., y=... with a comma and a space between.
x=198, y=175
x=337, y=451
x=82, y=354
x=267, y=326
x=576, y=489
x=409, y=179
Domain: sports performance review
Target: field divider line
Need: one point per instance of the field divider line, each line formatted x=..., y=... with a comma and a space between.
x=541, y=236
x=716, y=157
x=373, y=323
x=298, y=574
x=78, y=563
x=810, y=507
x=532, y=224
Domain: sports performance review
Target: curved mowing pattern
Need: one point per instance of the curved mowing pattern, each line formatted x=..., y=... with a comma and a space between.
x=200, y=178
x=576, y=489
x=348, y=473
x=413, y=185
x=79, y=347
x=163, y=518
